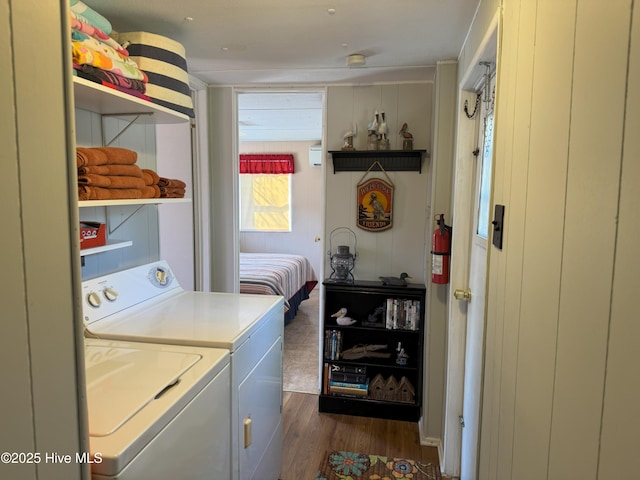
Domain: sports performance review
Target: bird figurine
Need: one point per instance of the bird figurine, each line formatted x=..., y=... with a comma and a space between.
x=372, y=128
x=396, y=281
x=407, y=138
x=348, y=138
x=403, y=131
x=382, y=127
x=342, y=319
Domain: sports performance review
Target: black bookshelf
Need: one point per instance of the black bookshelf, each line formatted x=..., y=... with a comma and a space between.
x=361, y=394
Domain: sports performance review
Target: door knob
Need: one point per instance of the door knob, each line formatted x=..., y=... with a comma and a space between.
x=462, y=295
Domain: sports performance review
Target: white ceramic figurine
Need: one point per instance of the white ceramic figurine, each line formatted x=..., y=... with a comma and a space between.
x=342, y=319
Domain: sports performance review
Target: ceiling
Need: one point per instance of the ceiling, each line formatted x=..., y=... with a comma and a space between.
x=282, y=43
x=248, y=42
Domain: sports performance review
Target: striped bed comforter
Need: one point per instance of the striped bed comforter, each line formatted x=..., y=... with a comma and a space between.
x=275, y=274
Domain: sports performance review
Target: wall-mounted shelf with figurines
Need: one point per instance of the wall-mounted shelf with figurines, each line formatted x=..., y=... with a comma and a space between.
x=378, y=155
x=391, y=160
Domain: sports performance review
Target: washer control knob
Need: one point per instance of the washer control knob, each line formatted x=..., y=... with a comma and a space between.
x=94, y=300
x=110, y=294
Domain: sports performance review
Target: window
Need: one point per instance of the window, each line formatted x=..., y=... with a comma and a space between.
x=485, y=179
x=265, y=192
x=484, y=190
x=265, y=202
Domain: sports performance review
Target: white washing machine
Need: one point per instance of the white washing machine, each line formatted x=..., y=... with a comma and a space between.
x=147, y=304
x=157, y=411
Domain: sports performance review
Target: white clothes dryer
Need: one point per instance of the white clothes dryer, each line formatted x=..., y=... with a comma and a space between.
x=157, y=411
x=147, y=304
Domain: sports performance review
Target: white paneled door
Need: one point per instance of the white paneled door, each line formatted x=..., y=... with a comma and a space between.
x=471, y=235
x=474, y=345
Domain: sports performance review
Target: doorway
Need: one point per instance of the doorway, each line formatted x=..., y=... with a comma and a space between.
x=476, y=319
x=287, y=122
x=471, y=224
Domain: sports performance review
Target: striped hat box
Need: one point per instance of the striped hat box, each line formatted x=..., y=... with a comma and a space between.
x=164, y=62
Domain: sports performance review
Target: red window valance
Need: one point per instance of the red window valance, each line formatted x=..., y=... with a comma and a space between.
x=274, y=163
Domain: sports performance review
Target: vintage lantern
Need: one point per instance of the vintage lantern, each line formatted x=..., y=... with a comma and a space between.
x=342, y=260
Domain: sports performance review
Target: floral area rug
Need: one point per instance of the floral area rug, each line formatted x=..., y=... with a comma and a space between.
x=358, y=466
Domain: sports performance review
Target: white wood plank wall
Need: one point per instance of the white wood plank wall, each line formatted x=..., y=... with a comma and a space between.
x=562, y=331
x=402, y=247
x=620, y=425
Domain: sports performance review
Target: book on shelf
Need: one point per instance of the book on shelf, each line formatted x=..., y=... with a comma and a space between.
x=362, y=386
x=332, y=344
x=348, y=388
x=348, y=377
x=402, y=314
x=347, y=391
x=360, y=369
x=345, y=380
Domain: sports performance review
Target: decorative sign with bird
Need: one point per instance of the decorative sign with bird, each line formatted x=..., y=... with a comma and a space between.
x=375, y=205
x=375, y=202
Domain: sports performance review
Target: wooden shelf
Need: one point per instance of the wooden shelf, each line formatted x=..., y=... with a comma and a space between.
x=107, y=101
x=391, y=160
x=133, y=201
x=112, y=245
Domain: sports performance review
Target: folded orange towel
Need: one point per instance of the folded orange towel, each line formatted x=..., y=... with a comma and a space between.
x=90, y=156
x=94, y=180
x=93, y=193
x=168, y=192
x=128, y=170
x=111, y=181
x=125, y=193
x=122, y=181
x=98, y=193
x=105, y=155
x=119, y=156
x=171, y=182
x=95, y=169
x=150, y=177
x=125, y=170
x=151, y=191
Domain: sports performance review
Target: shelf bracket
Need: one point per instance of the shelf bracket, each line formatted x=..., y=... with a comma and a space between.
x=137, y=116
x=123, y=221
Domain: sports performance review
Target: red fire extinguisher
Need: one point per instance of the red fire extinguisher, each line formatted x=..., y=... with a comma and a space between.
x=441, y=252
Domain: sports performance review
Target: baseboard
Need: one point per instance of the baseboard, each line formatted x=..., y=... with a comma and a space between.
x=430, y=441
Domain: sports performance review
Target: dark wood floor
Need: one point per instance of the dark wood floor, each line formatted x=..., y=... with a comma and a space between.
x=308, y=434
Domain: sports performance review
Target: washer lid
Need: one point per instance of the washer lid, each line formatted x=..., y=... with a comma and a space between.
x=121, y=381
x=205, y=319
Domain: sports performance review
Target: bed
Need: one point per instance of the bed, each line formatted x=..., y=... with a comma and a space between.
x=288, y=275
